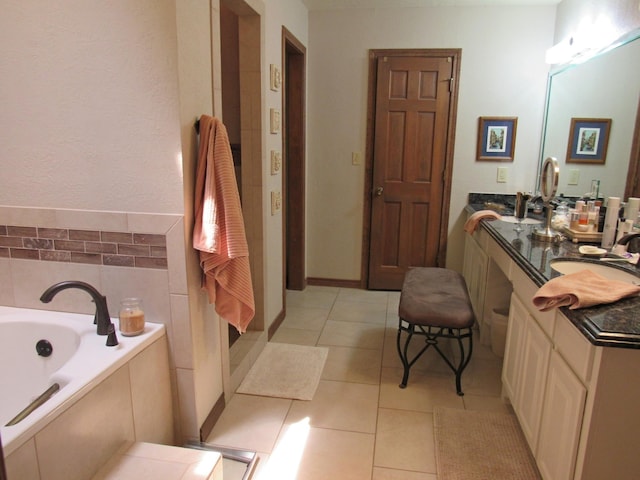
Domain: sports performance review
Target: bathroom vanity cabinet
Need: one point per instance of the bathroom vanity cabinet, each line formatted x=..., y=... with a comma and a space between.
x=575, y=398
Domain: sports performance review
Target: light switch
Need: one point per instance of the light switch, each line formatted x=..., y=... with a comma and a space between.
x=276, y=162
x=356, y=158
x=276, y=202
x=502, y=175
x=574, y=176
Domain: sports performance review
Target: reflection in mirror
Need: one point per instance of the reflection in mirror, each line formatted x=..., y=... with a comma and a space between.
x=606, y=86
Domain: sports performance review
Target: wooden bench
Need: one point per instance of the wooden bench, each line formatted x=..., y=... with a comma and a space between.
x=435, y=304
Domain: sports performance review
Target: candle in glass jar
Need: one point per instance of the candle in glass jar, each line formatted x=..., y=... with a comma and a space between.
x=131, y=317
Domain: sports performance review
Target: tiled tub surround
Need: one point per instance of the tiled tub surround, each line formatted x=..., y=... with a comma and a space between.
x=120, y=249
x=133, y=403
x=165, y=291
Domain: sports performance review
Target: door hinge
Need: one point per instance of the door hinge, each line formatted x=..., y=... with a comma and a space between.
x=451, y=84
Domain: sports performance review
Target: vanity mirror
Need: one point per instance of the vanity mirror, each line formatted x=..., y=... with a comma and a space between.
x=604, y=87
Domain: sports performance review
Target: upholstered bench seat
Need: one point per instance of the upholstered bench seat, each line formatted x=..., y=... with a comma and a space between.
x=435, y=304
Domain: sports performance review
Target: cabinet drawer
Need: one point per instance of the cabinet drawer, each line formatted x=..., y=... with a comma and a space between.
x=574, y=347
x=500, y=257
x=526, y=290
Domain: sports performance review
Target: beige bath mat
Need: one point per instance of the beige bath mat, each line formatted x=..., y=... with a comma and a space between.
x=480, y=446
x=285, y=371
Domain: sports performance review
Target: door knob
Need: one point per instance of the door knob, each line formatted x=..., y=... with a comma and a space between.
x=379, y=191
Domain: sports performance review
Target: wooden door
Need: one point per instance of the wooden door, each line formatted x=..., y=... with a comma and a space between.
x=412, y=154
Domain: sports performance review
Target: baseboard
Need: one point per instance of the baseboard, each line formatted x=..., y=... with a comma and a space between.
x=212, y=418
x=334, y=282
x=273, y=328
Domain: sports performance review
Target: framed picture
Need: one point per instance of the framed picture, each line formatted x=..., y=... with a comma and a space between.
x=497, y=138
x=588, y=140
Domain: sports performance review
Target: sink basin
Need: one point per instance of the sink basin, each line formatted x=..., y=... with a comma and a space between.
x=526, y=221
x=610, y=271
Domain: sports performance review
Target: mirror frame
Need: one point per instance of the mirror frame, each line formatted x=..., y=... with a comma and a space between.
x=632, y=186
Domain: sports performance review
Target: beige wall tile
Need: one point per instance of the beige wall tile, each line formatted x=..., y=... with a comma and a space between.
x=176, y=258
x=27, y=216
x=89, y=220
x=6, y=291
x=181, y=332
x=77, y=442
x=187, y=401
x=31, y=278
x=151, y=223
x=22, y=463
x=151, y=394
x=150, y=285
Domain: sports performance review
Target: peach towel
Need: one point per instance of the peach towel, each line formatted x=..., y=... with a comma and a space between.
x=472, y=222
x=219, y=232
x=580, y=290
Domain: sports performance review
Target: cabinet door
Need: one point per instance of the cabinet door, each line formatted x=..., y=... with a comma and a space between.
x=536, y=349
x=513, y=349
x=561, y=421
x=475, y=274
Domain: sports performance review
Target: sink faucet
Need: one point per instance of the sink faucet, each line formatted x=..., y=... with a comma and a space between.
x=102, y=318
x=626, y=240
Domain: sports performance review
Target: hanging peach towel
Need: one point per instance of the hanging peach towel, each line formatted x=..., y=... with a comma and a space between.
x=472, y=222
x=219, y=232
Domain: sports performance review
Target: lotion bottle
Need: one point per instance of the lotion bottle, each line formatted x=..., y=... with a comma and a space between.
x=610, y=222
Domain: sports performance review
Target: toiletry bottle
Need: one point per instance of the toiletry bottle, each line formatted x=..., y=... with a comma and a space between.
x=610, y=222
x=573, y=220
x=583, y=219
x=593, y=215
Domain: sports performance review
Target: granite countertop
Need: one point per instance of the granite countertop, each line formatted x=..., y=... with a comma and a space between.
x=612, y=325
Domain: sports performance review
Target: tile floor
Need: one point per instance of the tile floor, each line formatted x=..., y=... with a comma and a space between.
x=360, y=424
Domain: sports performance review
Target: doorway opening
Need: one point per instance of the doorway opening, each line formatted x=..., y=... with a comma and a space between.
x=293, y=144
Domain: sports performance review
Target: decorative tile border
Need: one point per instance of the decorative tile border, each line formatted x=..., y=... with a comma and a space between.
x=94, y=247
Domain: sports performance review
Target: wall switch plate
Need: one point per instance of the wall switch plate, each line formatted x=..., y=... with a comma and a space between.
x=356, y=158
x=276, y=162
x=574, y=176
x=502, y=175
x=276, y=202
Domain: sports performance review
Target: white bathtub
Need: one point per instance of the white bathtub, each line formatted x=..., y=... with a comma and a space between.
x=79, y=361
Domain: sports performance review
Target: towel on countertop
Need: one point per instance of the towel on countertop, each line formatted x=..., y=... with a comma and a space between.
x=580, y=290
x=472, y=222
x=218, y=232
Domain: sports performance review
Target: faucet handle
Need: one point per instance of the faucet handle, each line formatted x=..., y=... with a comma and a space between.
x=112, y=338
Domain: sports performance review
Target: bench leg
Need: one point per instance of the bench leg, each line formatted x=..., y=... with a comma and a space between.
x=403, y=351
x=464, y=361
x=431, y=339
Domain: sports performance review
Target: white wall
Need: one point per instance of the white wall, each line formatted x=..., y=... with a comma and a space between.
x=503, y=73
x=89, y=111
x=291, y=14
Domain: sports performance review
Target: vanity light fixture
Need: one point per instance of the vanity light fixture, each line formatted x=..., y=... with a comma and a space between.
x=590, y=38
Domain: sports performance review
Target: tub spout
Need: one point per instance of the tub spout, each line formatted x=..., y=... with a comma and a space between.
x=102, y=318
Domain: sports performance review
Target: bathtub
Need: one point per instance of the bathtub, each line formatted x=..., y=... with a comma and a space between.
x=79, y=360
